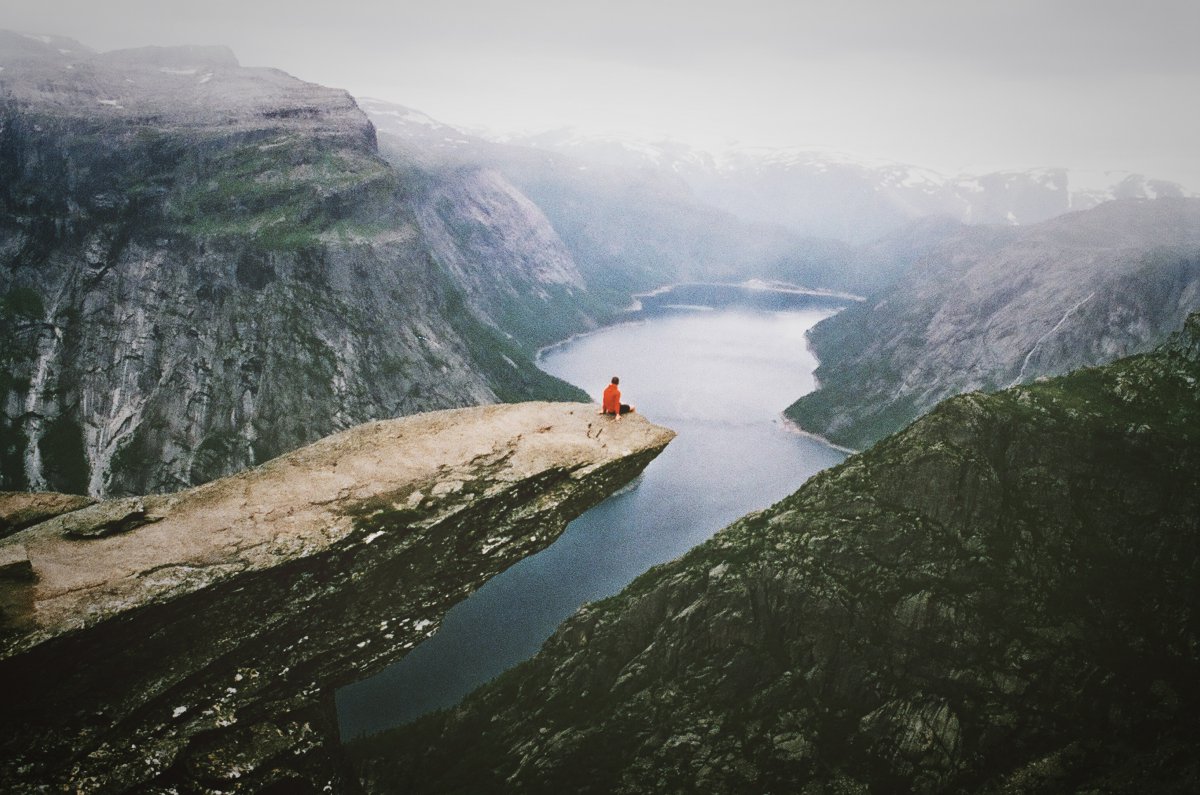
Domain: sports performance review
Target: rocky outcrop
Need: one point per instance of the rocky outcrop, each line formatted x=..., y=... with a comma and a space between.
x=204, y=265
x=198, y=649
x=20, y=509
x=1001, y=598
x=990, y=307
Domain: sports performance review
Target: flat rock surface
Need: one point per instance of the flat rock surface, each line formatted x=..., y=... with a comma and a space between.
x=21, y=509
x=301, y=503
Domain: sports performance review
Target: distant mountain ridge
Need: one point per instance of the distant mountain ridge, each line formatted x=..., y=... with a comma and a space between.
x=627, y=229
x=822, y=193
x=989, y=307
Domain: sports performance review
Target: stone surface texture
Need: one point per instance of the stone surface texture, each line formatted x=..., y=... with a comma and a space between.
x=199, y=651
x=20, y=509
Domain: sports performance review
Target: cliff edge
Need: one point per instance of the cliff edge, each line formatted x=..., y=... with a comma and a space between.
x=999, y=599
x=195, y=639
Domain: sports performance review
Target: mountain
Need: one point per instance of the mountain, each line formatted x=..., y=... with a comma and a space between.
x=990, y=307
x=204, y=265
x=1000, y=598
x=828, y=194
x=193, y=642
x=628, y=226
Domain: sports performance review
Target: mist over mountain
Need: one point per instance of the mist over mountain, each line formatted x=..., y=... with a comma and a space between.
x=989, y=307
x=627, y=226
x=823, y=193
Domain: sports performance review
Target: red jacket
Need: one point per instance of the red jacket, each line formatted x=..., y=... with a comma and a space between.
x=612, y=400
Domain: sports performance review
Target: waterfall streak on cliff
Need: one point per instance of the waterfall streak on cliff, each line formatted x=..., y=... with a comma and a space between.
x=126, y=402
x=48, y=350
x=1029, y=356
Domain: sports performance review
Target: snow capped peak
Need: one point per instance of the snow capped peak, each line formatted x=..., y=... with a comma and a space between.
x=379, y=107
x=814, y=190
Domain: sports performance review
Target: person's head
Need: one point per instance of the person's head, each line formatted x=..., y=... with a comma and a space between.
x=616, y=380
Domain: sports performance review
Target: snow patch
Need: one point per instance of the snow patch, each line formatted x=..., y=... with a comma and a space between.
x=42, y=39
x=112, y=103
x=207, y=76
x=373, y=536
x=419, y=118
x=173, y=71
x=915, y=177
x=178, y=711
x=377, y=108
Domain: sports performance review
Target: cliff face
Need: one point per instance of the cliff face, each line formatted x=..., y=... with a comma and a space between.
x=531, y=285
x=628, y=224
x=194, y=641
x=990, y=307
x=203, y=266
x=1001, y=598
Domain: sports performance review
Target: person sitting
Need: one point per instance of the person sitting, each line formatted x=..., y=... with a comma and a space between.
x=611, y=403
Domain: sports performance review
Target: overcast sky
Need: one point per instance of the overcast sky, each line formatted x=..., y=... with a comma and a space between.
x=950, y=84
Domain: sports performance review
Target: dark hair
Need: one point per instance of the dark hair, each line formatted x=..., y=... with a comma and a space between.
x=616, y=380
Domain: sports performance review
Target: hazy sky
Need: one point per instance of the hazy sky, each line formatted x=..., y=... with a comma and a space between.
x=950, y=84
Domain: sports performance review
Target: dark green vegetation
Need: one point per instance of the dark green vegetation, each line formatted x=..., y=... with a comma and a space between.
x=1000, y=598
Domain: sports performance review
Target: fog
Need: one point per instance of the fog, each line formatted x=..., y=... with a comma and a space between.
x=949, y=85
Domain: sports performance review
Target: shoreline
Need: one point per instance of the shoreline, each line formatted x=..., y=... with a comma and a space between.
x=755, y=284
x=758, y=285
x=792, y=427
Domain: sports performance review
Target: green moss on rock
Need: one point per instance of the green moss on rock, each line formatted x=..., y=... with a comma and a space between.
x=999, y=598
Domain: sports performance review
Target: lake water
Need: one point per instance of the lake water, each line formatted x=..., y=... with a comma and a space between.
x=715, y=364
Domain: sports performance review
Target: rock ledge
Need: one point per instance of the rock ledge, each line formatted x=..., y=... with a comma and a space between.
x=215, y=632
